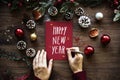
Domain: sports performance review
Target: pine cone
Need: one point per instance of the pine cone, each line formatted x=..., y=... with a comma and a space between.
x=84, y=21
x=79, y=11
x=31, y=24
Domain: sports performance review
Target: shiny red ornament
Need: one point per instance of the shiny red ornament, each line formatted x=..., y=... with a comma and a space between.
x=105, y=39
x=71, y=0
x=89, y=50
x=116, y=2
x=19, y=32
x=59, y=2
x=9, y=4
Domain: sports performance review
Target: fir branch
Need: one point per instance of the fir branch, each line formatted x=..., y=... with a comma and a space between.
x=15, y=57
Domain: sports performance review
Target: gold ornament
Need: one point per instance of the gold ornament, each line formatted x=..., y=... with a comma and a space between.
x=33, y=36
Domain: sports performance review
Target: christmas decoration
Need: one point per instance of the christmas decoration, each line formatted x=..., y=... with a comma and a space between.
x=79, y=11
x=68, y=5
x=117, y=14
x=99, y=15
x=38, y=12
x=68, y=15
x=30, y=52
x=17, y=4
x=115, y=3
x=89, y=50
x=21, y=45
x=30, y=24
x=52, y=11
x=105, y=39
x=84, y=21
x=19, y=32
x=14, y=56
x=94, y=32
x=33, y=36
x=39, y=6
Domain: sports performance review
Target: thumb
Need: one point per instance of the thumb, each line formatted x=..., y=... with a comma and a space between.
x=69, y=54
x=50, y=65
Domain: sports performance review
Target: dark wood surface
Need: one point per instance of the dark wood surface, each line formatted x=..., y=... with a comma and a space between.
x=103, y=65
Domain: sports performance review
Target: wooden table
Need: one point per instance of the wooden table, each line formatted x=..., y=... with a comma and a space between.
x=103, y=65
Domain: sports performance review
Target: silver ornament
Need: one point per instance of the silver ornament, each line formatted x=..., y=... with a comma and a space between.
x=99, y=16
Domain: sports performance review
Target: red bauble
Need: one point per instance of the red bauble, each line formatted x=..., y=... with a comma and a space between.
x=9, y=4
x=59, y=2
x=105, y=39
x=115, y=3
x=19, y=32
x=89, y=50
x=71, y=0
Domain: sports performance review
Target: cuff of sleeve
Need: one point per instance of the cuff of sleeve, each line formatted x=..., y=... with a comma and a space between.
x=79, y=76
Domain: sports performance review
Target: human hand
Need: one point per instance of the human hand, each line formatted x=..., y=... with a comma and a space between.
x=40, y=68
x=76, y=61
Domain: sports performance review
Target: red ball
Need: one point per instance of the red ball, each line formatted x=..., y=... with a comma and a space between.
x=9, y=4
x=89, y=50
x=71, y=0
x=105, y=39
x=59, y=0
x=19, y=32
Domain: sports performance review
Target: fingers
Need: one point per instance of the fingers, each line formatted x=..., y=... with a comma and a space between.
x=34, y=64
x=50, y=65
x=35, y=60
x=44, y=59
x=69, y=54
x=40, y=62
x=40, y=59
x=78, y=58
